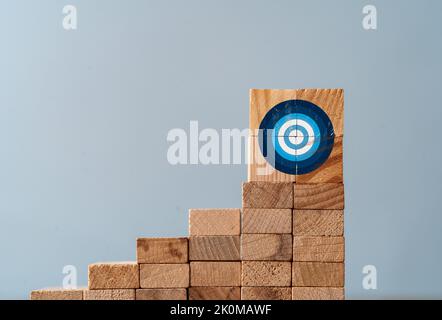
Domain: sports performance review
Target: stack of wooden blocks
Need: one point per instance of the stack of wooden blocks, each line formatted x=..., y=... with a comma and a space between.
x=286, y=243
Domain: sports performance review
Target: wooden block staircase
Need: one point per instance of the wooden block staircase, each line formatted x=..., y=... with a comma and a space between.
x=287, y=241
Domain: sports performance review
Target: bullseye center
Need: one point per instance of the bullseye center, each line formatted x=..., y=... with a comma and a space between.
x=296, y=137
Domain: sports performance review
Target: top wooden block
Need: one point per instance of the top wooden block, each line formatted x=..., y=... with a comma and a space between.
x=329, y=100
x=214, y=222
x=162, y=250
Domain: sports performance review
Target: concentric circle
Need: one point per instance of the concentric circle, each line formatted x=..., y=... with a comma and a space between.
x=296, y=137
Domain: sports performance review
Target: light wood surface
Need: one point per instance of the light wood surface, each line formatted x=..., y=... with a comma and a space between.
x=318, y=222
x=323, y=249
x=113, y=275
x=110, y=294
x=266, y=273
x=319, y=196
x=273, y=247
x=215, y=274
x=161, y=294
x=267, y=221
x=318, y=274
x=162, y=250
x=266, y=293
x=214, y=293
x=214, y=222
x=213, y=248
x=267, y=195
x=317, y=293
x=164, y=275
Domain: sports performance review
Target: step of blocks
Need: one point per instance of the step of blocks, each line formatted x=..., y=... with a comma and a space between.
x=286, y=243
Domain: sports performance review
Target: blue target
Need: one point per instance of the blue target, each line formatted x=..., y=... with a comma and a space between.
x=296, y=137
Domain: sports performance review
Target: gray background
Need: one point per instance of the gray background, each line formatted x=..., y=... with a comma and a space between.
x=84, y=116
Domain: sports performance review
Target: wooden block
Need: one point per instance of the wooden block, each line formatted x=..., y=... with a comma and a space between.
x=267, y=221
x=162, y=250
x=259, y=168
x=317, y=293
x=212, y=248
x=329, y=100
x=114, y=275
x=215, y=274
x=214, y=293
x=111, y=294
x=318, y=222
x=266, y=274
x=57, y=294
x=266, y=293
x=318, y=274
x=161, y=294
x=319, y=196
x=322, y=249
x=164, y=275
x=268, y=195
x=275, y=247
x=214, y=222
x=331, y=171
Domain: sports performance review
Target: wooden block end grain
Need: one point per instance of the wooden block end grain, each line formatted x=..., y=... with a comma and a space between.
x=319, y=196
x=318, y=293
x=214, y=248
x=57, y=294
x=214, y=222
x=318, y=223
x=267, y=221
x=266, y=293
x=215, y=274
x=266, y=274
x=162, y=250
x=318, y=274
x=164, y=275
x=331, y=101
x=161, y=294
x=214, y=293
x=110, y=294
x=267, y=195
x=113, y=275
x=274, y=247
x=322, y=249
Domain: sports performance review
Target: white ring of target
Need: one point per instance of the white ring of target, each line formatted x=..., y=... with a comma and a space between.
x=296, y=137
x=296, y=152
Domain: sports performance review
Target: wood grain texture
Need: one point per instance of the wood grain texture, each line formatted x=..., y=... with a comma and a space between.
x=214, y=293
x=318, y=222
x=162, y=250
x=331, y=171
x=214, y=222
x=317, y=293
x=259, y=169
x=274, y=247
x=110, y=294
x=161, y=294
x=215, y=274
x=319, y=196
x=57, y=294
x=266, y=293
x=266, y=274
x=322, y=249
x=268, y=195
x=164, y=275
x=329, y=100
x=113, y=275
x=214, y=248
x=318, y=274
x=266, y=221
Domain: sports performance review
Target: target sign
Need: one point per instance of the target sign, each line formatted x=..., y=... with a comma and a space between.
x=296, y=137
